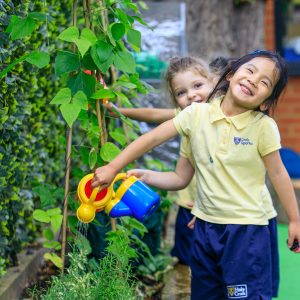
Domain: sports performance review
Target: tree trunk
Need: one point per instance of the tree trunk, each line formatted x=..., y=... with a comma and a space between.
x=220, y=28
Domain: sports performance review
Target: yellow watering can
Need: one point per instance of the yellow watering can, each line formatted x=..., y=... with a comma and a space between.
x=132, y=198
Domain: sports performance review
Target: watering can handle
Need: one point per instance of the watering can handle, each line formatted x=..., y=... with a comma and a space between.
x=118, y=177
x=96, y=190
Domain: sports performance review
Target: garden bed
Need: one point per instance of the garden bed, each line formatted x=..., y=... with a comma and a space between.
x=13, y=282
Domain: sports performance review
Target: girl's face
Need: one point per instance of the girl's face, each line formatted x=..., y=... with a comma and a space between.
x=252, y=83
x=189, y=86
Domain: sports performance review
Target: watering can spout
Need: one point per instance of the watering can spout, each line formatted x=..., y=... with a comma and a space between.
x=120, y=210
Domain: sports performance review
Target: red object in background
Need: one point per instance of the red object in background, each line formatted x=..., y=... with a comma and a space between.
x=105, y=100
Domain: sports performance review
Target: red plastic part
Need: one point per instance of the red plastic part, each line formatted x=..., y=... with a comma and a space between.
x=88, y=191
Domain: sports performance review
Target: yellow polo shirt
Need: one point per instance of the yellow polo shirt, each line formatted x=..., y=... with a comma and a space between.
x=185, y=151
x=228, y=151
x=186, y=196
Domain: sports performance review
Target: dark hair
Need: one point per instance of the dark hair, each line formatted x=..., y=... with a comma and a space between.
x=218, y=65
x=269, y=103
x=179, y=64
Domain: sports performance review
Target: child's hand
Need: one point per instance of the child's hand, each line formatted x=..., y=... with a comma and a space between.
x=112, y=109
x=141, y=174
x=191, y=223
x=104, y=176
x=294, y=235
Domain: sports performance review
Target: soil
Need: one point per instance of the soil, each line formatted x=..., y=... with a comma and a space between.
x=43, y=281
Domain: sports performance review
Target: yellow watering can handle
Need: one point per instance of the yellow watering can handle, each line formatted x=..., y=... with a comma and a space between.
x=96, y=190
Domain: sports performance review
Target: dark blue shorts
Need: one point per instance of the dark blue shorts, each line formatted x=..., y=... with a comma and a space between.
x=275, y=256
x=183, y=235
x=230, y=262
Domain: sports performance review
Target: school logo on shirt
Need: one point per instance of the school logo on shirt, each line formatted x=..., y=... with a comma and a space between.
x=243, y=141
x=237, y=291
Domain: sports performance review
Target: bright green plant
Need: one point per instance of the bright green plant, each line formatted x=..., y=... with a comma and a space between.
x=53, y=218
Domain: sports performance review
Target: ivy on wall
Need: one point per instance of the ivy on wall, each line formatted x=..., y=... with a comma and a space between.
x=30, y=148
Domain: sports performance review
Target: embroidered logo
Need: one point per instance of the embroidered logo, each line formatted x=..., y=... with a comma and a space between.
x=237, y=291
x=237, y=140
x=243, y=141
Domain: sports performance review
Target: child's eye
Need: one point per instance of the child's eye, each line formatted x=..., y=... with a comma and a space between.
x=179, y=93
x=198, y=85
x=265, y=83
x=250, y=70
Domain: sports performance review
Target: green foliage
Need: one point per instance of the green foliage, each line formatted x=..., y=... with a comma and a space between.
x=110, y=278
x=30, y=150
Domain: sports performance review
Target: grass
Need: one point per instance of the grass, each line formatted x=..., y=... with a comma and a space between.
x=289, y=288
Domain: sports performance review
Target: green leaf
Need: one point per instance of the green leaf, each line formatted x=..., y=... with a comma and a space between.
x=13, y=20
x=53, y=211
x=109, y=151
x=141, y=21
x=101, y=51
x=38, y=58
x=118, y=137
x=103, y=93
x=82, y=82
x=134, y=37
x=117, y=30
x=62, y=97
x=45, y=194
x=80, y=99
x=92, y=158
x=121, y=16
x=56, y=222
x=41, y=216
x=40, y=16
x=124, y=61
x=52, y=245
x=126, y=84
x=82, y=45
x=69, y=34
x=89, y=35
x=22, y=28
x=54, y=258
x=66, y=62
x=70, y=112
x=48, y=234
x=88, y=62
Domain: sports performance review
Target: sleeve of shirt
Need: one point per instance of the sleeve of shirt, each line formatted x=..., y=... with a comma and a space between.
x=269, y=139
x=182, y=121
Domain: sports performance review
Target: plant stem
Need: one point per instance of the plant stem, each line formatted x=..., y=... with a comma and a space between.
x=68, y=167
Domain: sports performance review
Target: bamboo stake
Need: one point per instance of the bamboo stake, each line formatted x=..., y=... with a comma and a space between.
x=68, y=168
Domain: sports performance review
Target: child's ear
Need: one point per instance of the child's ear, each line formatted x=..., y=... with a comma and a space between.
x=229, y=76
x=263, y=106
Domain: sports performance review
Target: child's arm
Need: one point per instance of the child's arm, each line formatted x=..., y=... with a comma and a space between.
x=104, y=176
x=171, y=181
x=285, y=191
x=149, y=115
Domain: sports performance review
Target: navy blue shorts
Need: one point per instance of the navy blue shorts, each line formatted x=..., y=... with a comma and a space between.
x=183, y=236
x=230, y=262
x=275, y=256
